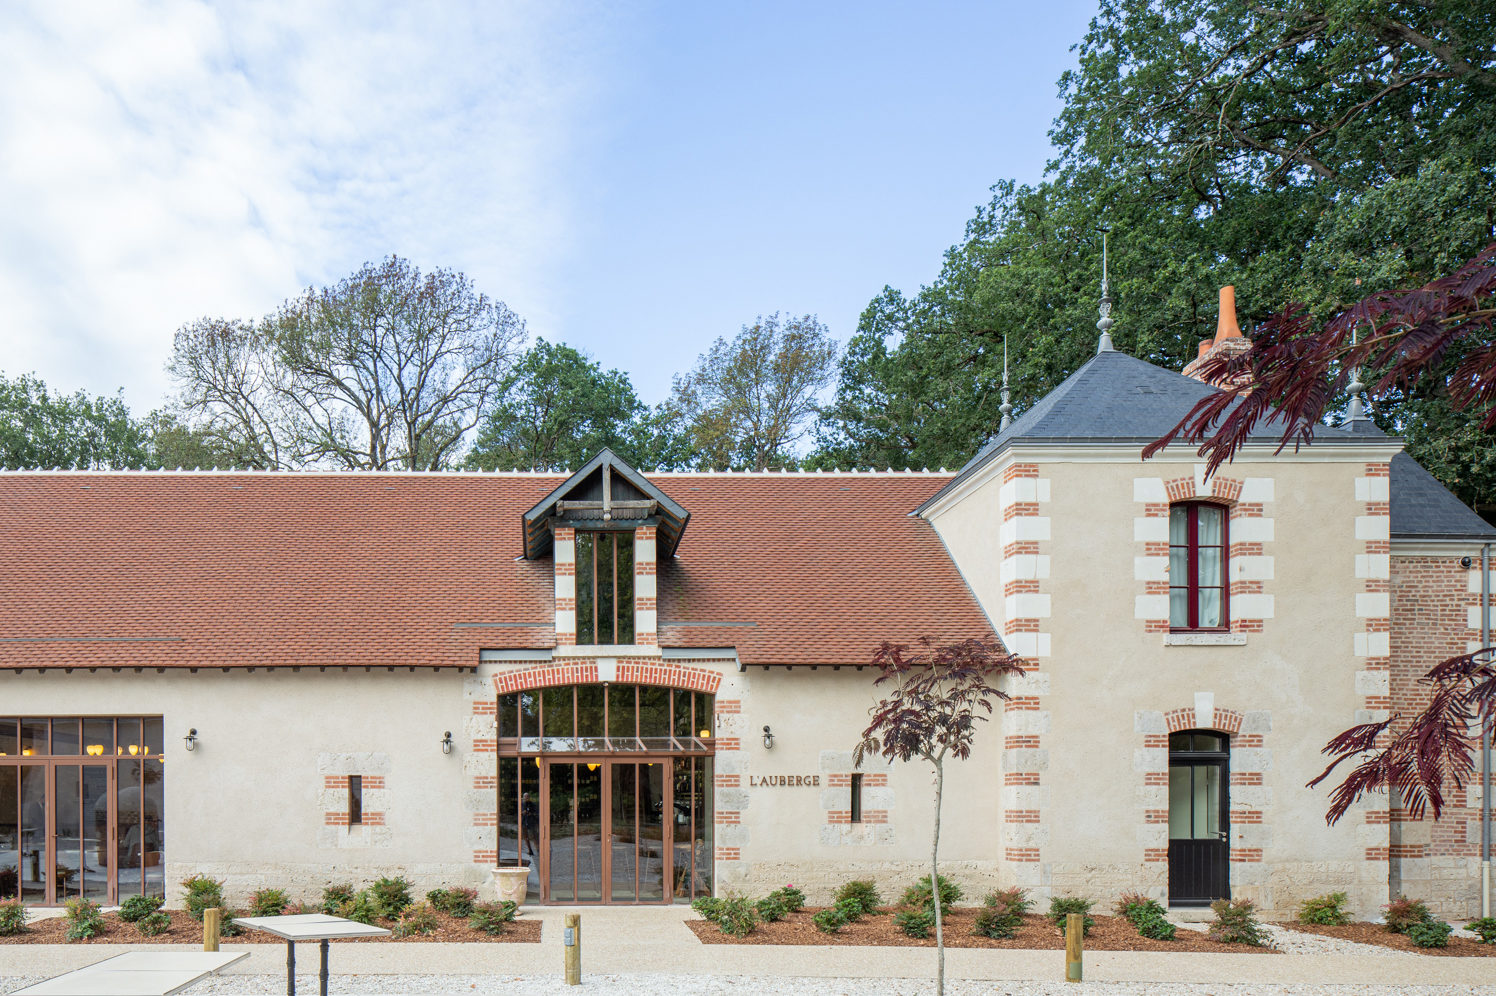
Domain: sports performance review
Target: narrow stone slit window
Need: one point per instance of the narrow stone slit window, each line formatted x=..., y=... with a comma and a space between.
x=355, y=800
x=857, y=798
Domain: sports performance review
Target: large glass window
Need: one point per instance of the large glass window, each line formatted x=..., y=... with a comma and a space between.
x=605, y=587
x=1198, y=592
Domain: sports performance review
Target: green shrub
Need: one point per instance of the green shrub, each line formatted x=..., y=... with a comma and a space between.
x=1484, y=928
x=202, y=893
x=1327, y=910
x=136, y=907
x=83, y=918
x=771, y=908
x=1133, y=904
x=392, y=896
x=915, y=923
x=417, y=918
x=830, y=920
x=12, y=917
x=1430, y=934
x=362, y=908
x=918, y=894
x=1153, y=924
x=1403, y=912
x=1236, y=923
x=737, y=916
x=793, y=898
x=456, y=902
x=709, y=908
x=268, y=902
x=1062, y=906
x=153, y=924
x=492, y=918
x=863, y=893
x=335, y=896
x=1002, y=913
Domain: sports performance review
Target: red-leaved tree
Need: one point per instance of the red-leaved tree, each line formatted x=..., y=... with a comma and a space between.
x=940, y=694
x=1286, y=382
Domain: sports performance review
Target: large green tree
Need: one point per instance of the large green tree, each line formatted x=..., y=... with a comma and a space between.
x=40, y=429
x=1302, y=151
x=558, y=410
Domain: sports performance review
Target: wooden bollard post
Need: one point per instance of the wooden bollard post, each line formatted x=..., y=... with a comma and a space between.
x=211, y=917
x=572, y=938
x=1075, y=932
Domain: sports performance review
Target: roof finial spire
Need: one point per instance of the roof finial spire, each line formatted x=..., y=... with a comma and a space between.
x=1006, y=407
x=1356, y=410
x=1104, y=344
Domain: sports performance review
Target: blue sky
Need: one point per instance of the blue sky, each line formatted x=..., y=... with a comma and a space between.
x=634, y=179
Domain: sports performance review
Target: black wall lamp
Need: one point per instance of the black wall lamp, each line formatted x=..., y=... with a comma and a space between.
x=447, y=742
x=191, y=739
x=768, y=739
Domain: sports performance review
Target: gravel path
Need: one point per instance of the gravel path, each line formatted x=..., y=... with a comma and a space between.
x=687, y=985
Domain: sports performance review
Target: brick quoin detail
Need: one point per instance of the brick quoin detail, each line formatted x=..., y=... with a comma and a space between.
x=1155, y=812
x=1374, y=650
x=548, y=675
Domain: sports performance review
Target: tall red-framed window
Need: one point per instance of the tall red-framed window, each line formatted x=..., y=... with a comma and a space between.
x=1199, y=594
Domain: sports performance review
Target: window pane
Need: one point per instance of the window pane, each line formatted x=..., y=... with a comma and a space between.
x=560, y=721
x=1212, y=782
x=606, y=631
x=508, y=718
x=1179, y=802
x=10, y=831
x=65, y=736
x=1179, y=607
x=590, y=711
x=98, y=737
x=509, y=844
x=654, y=711
x=682, y=712
x=621, y=718
x=9, y=738
x=704, y=712
x=1208, y=601
x=33, y=736
x=585, y=591
x=128, y=739
x=1179, y=527
x=1179, y=565
x=625, y=595
x=529, y=816
x=154, y=740
x=1208, y=562
x=153, y=815
x=1210, y=518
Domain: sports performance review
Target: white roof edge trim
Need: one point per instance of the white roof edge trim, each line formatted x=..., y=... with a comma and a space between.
x=1440, y=547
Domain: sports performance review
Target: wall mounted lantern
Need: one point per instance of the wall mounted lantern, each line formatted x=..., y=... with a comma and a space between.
x=447, y=742
x=190, y=738
x=768, y=739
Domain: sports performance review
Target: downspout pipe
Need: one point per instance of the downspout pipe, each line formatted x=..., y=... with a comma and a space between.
x=1485, y=739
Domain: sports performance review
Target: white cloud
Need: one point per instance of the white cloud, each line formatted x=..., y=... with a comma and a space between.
x=162, y=161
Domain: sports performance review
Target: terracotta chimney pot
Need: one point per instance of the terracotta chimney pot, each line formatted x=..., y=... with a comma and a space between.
x=1205, y=345
x=1226, y=327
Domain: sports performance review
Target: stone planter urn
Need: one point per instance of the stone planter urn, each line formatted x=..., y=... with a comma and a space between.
x=511, y=881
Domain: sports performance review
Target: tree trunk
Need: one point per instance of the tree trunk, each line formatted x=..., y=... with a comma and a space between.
x=935, y=882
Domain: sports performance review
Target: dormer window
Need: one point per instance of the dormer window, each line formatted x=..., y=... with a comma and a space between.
x=605, y=587
x=1198, y=594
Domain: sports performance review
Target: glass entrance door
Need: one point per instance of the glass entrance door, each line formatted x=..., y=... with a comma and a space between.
x=81, y=850
x=1199, y=852
x=622, y=803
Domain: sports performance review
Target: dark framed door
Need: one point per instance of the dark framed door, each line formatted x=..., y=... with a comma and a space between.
x=81, y=813
x=1199, y=828
x=604, y=835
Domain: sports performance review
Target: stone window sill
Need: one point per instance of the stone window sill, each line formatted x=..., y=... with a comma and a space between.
x=1205, y=639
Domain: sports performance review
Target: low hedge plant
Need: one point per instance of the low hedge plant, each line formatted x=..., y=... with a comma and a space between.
x=1236, y=923
x=456, y=902
x=12, y=917
x=1060, y=907
x=793, y=898
x=915, y=923
x=737, y=916
x=492, y=918
x=1430, y=934
x=833, y=918
x=1403, y=913
x=918, y=895
x=84, y=919
x=1325, y=911
x=1484, y=928
x=268, y=902
x=417, y=918
x=1147, y=916
x=1002, y=913
x=862, y=892
x=153, y=924
x=392, y=895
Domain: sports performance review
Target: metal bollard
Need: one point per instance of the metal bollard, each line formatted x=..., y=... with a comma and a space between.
x=1075, y=932
x=572, y=939
x=211, y=917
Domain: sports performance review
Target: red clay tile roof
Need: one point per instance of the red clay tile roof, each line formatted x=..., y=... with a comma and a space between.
x=237, y=570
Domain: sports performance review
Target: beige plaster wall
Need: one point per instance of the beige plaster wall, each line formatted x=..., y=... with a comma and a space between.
x=247, y=805
x=817, y=717
x=1295, y=682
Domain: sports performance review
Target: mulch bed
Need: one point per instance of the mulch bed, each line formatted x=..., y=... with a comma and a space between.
x=185, y=930
x=1111, y=933
x=1375, y=933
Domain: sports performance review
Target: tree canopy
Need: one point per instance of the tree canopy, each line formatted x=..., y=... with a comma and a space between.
x=1302, y=152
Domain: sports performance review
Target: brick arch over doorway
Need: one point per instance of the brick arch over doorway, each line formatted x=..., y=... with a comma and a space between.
x=1250, y=803
x=693, y=679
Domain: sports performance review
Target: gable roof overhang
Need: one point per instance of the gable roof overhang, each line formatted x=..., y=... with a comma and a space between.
x=624, y=498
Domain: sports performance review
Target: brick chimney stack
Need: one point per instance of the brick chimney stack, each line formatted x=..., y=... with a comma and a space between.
x=1228, y=338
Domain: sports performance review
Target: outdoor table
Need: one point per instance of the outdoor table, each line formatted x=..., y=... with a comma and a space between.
x=308, y=927
x=139, y=973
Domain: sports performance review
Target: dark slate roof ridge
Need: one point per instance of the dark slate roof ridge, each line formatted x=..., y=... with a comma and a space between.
x=1423, y=508
x=1098, y=403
